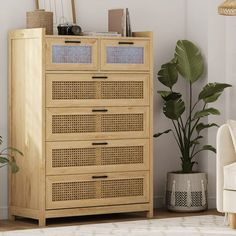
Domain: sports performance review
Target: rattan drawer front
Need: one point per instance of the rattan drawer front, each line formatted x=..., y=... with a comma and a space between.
x=96, y=90
x=70, y=191
x=72, y=53
x=96, y=123
x=126, y=54
x=97, y=156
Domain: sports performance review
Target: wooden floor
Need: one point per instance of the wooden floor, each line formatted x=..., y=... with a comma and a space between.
x=21, y=223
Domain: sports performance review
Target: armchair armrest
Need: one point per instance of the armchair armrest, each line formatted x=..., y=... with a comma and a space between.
x=225, y=156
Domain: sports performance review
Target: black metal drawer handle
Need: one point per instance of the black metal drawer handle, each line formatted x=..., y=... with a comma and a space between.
x=100, y=177
x=97, y=144
x=99, y=77
x=69, y=41
x=127, y=43
x=99, y=110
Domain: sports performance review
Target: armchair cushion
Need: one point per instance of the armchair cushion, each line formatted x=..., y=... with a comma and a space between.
x=230, y=177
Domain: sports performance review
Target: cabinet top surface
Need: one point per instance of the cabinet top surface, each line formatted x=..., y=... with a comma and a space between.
x=39, y=32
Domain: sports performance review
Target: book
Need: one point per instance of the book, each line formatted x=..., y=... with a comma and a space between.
x=128, y=24
x=108, y=34
x=117, y=21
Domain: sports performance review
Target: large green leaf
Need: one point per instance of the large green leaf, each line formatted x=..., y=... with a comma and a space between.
x=212, y=91
x=159, y=134
x=173, y=109
x=168, y=75
x=209, y=148
x=212, y=98
x=168, y=95
x=190, y=62
x=202, y=126
x=206, y=112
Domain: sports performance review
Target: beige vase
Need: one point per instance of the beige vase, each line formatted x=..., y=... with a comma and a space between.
x=186, y=192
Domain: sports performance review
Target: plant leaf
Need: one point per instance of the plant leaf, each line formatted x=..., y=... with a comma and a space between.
x=195, y=141
x=212, y=98
x=3, y=160
x=14, y=167
x=209, y=148
x=173, y=109
x=159, y=134
x=206, y=112
x=168, y=95
x=211, y=89
x=168, y=75
x=190, y=62
x=14, y=150
x=202, y=126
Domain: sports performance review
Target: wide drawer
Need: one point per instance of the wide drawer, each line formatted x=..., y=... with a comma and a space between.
x=96, y=123
x=97, y=156
x=67, y=90
x=125, y=54
x=71, y=54
x=70, y=191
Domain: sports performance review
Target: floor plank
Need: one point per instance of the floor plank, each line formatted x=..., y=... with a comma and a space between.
x=22, y=223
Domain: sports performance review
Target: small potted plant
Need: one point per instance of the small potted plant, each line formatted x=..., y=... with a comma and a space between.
x=7, y=158
x=186, y=189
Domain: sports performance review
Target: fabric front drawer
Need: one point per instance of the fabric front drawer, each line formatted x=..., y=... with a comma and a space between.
x=97, y=156
x=70, y=191
x=71, y=90
x=96, y=123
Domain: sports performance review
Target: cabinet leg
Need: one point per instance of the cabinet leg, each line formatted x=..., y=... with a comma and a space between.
x=232, y=220
x=42, y=222
x=149, y=214
x=11, y=217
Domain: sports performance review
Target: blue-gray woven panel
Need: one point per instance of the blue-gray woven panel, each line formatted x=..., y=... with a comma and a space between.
x=71, y=54
x=125, y=55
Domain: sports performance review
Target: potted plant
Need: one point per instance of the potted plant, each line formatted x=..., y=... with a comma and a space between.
x=186, y=189
x=7, y=158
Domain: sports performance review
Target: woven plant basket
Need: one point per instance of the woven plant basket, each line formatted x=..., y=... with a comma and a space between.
x=186, y=192
x=227, y=8
x=40, y=19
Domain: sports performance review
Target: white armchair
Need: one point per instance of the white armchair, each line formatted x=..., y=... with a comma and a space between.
x=226, y=171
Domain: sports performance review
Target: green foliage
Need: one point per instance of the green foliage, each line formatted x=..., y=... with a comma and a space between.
x=206, y=112
x=188, y=62
x=173, y=109
x=7, y=158
x=168, y=75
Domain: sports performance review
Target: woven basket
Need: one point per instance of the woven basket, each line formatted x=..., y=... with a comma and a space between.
x=186, y=192
x=40, y=19
x=228, y=8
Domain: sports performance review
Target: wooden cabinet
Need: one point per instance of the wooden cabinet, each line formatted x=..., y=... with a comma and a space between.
x=81, y=112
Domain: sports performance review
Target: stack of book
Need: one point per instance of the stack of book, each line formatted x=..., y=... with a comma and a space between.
x=103, y=34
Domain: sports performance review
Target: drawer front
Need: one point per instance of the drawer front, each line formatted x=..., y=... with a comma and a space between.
x=125, y=54
x=70, y=191
x=67, y=90
x=96, y=123
x=97, y=156
x=71, y=54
